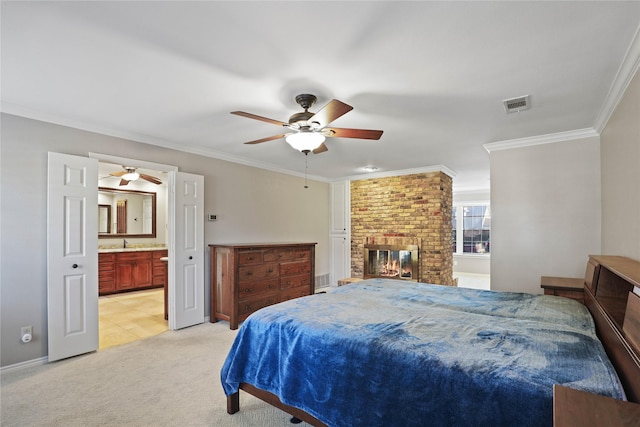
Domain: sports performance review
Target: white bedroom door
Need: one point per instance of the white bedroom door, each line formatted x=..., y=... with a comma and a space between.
x=186, y=297
x=72, y=255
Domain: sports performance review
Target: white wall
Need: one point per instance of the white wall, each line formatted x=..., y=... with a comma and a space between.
x=546, y=214
x=253, y=205
x=620, y=147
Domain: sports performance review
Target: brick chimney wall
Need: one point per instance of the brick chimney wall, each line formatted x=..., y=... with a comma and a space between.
x=417, y=206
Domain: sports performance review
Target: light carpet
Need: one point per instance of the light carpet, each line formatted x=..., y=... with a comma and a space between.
x=172, y=379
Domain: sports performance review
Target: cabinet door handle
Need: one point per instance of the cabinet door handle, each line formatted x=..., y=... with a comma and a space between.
x=75, y=266
x=190, y=257
x=250, y=258
x=249, y=273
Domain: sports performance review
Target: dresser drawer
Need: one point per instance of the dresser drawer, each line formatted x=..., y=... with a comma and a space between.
x=289, y=268
x=295, y=281
x=250, y=289
x=294, y=293
x=257, y=272
x=279, y=254
x=248, y=306
x=302, y=254
x=249, y=257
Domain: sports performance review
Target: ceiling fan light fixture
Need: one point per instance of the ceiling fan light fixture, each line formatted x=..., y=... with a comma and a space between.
x=305, y=140
x=130, y=176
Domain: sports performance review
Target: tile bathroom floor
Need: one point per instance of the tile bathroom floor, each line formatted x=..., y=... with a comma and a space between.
x=130, y=316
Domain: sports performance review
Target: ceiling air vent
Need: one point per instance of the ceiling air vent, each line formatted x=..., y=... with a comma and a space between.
x=518, y=104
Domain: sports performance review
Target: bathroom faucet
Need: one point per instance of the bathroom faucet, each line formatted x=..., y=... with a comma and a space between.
x=124, y=243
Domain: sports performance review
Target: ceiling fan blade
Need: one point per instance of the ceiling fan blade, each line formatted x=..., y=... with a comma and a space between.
x=118, y=173
x=270, y=138
x=321, y=149
x=330, y=112
x=150, y=178
x=123, y=182
x=353, y=133
x=262, y=119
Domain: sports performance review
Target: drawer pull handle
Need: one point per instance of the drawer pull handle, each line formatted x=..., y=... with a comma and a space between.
x=247, y=291
x=75, y=266
x=270, y=270
x=249, y=273
x=190, y=257
x=250, y=258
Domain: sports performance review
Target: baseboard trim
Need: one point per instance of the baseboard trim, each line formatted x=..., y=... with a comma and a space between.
x=23, y=365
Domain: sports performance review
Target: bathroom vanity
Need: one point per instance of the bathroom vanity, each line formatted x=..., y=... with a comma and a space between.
x=121, y=270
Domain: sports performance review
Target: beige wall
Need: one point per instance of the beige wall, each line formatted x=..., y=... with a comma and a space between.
x=620, y=160
x=253, y=205
x=545, y=212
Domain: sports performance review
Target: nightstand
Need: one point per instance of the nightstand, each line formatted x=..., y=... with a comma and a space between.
x=567, y=287
x=576, y=408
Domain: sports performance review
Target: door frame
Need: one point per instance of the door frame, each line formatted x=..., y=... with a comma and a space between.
x=171, y=170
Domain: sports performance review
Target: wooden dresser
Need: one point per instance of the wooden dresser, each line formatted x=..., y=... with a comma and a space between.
x=247, y=277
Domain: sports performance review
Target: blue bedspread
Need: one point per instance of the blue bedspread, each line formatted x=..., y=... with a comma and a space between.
x=393, y=353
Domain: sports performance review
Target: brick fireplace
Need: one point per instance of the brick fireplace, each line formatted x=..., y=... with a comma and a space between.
x=405, y=210
x=391, y=261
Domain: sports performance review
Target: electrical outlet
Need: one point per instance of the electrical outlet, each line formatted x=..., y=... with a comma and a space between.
x=212, y=217
x=26, y=330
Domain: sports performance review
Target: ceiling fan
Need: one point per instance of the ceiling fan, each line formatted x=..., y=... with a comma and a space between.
x=308, y=130
x=129, y=174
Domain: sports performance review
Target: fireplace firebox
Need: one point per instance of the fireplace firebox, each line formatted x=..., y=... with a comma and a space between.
x=391, y=262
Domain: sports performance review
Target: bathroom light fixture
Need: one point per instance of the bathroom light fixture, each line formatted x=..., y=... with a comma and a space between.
x=305, y=140
x=370, y=168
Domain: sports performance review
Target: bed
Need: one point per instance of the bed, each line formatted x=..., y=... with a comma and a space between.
x=386, y=352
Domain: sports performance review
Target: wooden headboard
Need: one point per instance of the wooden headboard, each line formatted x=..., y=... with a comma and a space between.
x=611, y=293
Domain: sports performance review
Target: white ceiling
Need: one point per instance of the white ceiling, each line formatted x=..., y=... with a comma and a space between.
x=432, y=75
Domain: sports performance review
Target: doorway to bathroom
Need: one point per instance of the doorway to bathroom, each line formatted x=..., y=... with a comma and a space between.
x=126, y=315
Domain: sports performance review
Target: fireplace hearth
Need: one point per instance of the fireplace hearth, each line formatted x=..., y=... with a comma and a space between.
x=391, y=262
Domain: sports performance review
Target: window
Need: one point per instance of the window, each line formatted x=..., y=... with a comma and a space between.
x=472, y=222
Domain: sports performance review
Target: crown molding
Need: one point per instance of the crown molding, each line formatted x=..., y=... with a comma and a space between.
x=540, y=139
x=385, y=174
x=625, y=74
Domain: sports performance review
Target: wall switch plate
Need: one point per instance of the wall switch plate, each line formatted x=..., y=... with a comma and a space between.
x=212, y=217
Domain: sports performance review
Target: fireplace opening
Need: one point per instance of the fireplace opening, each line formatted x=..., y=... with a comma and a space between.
x=391, y=262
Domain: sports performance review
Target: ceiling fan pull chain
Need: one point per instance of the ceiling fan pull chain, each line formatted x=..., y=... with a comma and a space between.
x=306, y=165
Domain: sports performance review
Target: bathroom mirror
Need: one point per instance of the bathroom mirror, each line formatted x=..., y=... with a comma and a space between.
x=104, y=219
x=126, y=213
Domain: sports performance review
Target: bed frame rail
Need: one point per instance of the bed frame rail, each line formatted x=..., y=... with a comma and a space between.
x=233, y=404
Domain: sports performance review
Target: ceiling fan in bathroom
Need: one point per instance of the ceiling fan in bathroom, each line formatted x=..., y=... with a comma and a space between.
x=129, y=174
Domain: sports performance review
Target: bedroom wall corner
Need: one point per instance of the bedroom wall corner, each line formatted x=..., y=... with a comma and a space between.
x=620, y=162
x=546, y=213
